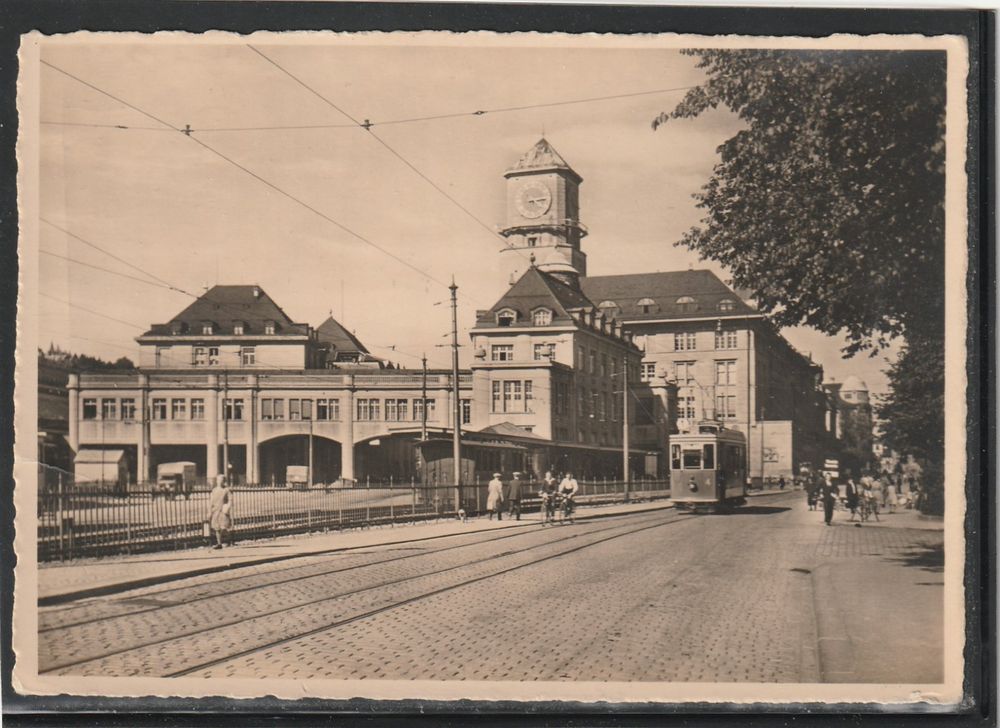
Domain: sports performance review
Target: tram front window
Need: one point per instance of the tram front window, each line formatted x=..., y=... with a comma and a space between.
x=692, y=459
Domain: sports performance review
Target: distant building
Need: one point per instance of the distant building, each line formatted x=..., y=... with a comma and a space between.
x=850, y=420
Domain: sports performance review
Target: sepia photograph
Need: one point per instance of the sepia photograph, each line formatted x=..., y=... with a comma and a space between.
x=529, y=366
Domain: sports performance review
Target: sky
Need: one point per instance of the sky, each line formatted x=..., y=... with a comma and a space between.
x=173, y=209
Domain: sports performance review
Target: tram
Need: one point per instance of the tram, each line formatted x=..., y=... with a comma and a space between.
x=708, y=469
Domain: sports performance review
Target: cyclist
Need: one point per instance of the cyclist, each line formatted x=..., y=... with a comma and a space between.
x=548, y=496
x=567, y=490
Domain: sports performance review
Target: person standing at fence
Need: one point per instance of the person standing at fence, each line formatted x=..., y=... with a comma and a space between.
x=494, y=497
x=219, y=507
x=514, y=496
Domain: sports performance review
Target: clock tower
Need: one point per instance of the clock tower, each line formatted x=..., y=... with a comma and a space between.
x=543, y=211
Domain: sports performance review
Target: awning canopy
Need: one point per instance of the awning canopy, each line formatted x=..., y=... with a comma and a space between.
x=103, y=457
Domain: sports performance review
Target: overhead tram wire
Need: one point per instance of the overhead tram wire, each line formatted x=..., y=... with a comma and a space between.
x=393, y=122
x=367, y=127
x=253, y=174
x=108, y=270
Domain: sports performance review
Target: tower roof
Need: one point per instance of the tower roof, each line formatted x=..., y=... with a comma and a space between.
x=343, y=341
x=535, y=289
x=542, y=156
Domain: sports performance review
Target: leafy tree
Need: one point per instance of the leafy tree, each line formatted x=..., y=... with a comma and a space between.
x=829, y=205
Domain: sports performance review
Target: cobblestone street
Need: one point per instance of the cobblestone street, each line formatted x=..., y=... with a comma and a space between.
x=766, y=594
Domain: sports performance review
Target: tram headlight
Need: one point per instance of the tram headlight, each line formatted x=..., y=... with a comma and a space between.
x=692, y=486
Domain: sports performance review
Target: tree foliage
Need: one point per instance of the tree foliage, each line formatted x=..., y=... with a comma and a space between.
x=829, y=205
x=911, y=414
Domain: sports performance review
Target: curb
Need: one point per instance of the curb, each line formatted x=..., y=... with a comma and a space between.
x=51, y=600
x=835, y=648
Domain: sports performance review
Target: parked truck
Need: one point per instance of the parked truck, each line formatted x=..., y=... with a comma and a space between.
x=174, y=479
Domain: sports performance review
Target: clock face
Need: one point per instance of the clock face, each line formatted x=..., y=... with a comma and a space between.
x=534, y=200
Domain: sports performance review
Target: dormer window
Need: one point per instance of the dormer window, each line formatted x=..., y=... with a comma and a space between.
x=270, y=327
x=647, y=305
x=727, y=304
x=609, y=308
x=541, y=317
x=207, y=328
x=239, y=328
x=506, y=317
x=686, y=304
x=532, y=241
x=177, y=327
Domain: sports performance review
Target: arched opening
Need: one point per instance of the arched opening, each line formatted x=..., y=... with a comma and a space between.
x=277, y=454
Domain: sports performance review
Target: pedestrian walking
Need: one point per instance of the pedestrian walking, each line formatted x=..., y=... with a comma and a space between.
x=219, y=511
x=890, y=497
x=830, y=493
x=781, y=483
x=514, y=496
x=494, y=497
x=813, y=487
x=851, y=496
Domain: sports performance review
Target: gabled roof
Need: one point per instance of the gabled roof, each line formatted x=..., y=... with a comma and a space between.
x=333, y=333
x=541, y=156
x=703, y=286
x=533, y=290
x=227, y=305
x=508, y=429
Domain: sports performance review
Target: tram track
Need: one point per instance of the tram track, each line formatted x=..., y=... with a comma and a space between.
x=306, y=611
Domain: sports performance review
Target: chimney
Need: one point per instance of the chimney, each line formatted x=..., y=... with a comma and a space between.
x=256, y=291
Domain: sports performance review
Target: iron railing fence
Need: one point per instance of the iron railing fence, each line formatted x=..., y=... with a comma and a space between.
x=84, y=520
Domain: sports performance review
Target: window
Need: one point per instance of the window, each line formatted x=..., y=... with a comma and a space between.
x=502, y=352
x=233, y=409
x=647, y=371
x=686, y=304
x=238, y=328
x=684, y=372
x=686, y=407
x=725, y=372
x=213, y=356
x=692, y=459
x=591, y=360
x=506, y=317
x=532, y=241
x=497, y=399
x=602, y=407
x=581, y=357
x=542, y=352
x=604, y=365
x=248, y=355
x=109, y=409
x=675, y=457
x=197, y=409
x=391, y=412
x=368, y=409
x=708, y=456
x=466, y=410
x=431, y=406
x=178, y=409
x=725, y=406
x=581, y=396
x=528, y=397
x=512, y=396
x=401, y=407
x=418, y=409
x=307, y=409
x=329, y=409
x=128, y=409
x=541, y=317
x=279, y=409
x=267, y=409
x=725, y=340
x=647, y=305
x=207, y=328
x=269, y=328
x=199, y=356
x=685, y=341
x=294, y=409
x=159, y=409
x=727, y=304
x=162, y=356
x=610, y=308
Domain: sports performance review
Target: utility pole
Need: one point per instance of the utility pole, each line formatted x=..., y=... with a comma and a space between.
x=225, y=426
x=625, y=468
x=423, y=400
x=457, y=429
x=309, y=482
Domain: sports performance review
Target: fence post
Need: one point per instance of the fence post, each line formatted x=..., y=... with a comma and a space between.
x=413, y=495
x=368, y=501
x=59, y=517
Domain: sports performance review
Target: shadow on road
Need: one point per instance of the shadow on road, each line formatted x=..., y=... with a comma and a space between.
x=927, y=558
x=761, y=510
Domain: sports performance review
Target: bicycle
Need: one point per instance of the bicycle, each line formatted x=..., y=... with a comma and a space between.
x=868, y=507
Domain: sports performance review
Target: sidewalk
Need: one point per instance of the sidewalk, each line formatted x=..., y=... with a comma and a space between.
x=876, y=585
x=64, y=582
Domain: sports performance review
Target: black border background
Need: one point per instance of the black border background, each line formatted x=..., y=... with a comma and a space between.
x=64, y=16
